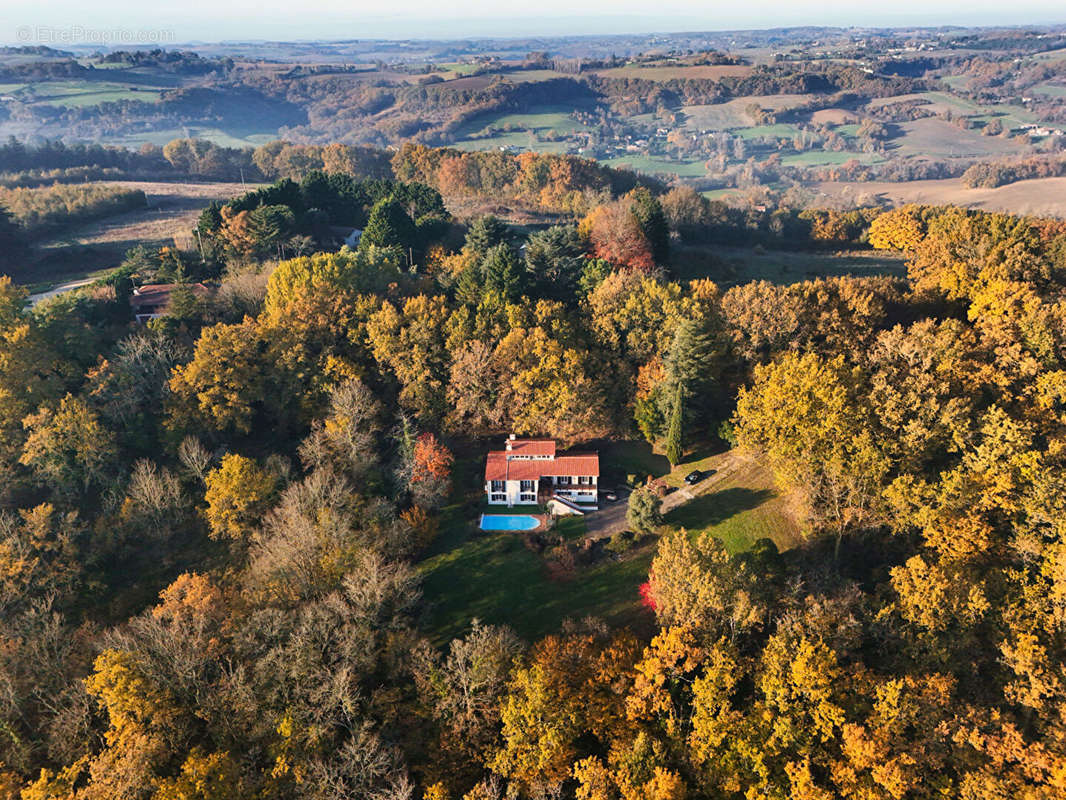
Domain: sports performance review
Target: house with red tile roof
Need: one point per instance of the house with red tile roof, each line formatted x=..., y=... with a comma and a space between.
x=527, y=470
x=152, y=300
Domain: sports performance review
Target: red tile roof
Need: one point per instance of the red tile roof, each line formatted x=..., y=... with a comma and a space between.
x=158, y=294
x=499, y=468
x=572, y=464
x=532, y=447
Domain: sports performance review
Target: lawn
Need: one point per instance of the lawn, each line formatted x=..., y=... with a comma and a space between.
x=461, y=69
x=524, y=130
x=933, y=137
x=232, y=138
x=469, y=574
x=631, y=457
x=494, y=578
x=733, y=113
x=739, y=509
x=534, y=75
x=523, y=140
x=721, y=194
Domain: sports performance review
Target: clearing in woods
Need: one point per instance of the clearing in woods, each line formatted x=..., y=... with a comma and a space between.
x=496, y=578
x=98, y=245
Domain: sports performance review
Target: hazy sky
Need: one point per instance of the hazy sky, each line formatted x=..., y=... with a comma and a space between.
x=213, y=20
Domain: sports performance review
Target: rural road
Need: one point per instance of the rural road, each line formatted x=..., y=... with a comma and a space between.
x=34, y=299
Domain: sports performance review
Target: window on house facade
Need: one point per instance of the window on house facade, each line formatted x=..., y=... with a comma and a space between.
x=584, y=480
x=498, y=498
x=497, y=486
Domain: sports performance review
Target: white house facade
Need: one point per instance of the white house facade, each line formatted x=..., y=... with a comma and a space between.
x=527, y=470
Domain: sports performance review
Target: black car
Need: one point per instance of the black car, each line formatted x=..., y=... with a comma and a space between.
x=693, y=477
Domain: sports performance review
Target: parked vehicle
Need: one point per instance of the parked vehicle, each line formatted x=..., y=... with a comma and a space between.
x=693, y=477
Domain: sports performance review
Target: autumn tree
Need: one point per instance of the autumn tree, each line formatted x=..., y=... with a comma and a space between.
x=617, y=236
x=803, y=412
x=239, y=493
x=67, y=447
x=431, y=465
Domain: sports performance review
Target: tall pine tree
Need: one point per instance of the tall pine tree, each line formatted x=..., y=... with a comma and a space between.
x=389, y=226
x=675, y=449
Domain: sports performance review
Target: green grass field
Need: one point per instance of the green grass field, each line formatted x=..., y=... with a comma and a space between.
x=525, y=130
x=81, y=94
x=215, y=135
x=816, y=158
x=494, y=578
x=721, y=194
x=657, y=164
x=523, y=140
x=781, y=130
x=1049, y=89
x=938, y=138
x=541, y=120
x=739, y=510
x=461, y=69
x=534, y=75
x=729, y=266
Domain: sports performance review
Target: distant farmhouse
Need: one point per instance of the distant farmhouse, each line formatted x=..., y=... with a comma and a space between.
x=530, y=471
x=152, y=300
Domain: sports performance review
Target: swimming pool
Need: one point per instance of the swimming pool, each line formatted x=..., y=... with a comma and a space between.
x=508, y=522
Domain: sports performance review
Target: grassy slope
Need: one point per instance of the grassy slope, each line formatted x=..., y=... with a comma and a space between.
x=1051, y=89
x=821, y=157
x=494, y=578
x=739, y=509
x=81, y=93
x=657, y=164
x=732, y=265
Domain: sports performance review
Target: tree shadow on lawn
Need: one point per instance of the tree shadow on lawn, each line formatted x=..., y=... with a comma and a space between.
x=712, y=509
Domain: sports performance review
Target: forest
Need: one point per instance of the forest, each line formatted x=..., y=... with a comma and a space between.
x=213, y=525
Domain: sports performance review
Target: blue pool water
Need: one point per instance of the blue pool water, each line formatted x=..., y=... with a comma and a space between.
x=508, y=522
